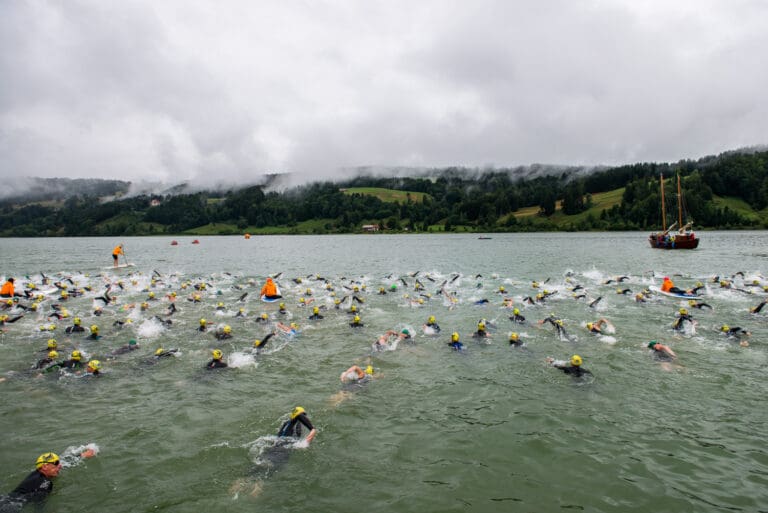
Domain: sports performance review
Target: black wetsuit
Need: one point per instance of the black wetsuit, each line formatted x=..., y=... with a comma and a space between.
x=517, y=318
x=124, y=349
x=316, y=317
x=434, y=326
x=575, y=371
x=215, y=364
x=222, y=336
x=678, y=325
x=74, y=329
x=661, y=356
x=34, y=488
x=71, y=364
x=292, y=427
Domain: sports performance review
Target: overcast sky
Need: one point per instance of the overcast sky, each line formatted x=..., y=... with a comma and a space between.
x=177, y=90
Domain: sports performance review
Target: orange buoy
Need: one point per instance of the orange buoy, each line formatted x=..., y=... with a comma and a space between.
x=247, y=235
x=174, y=243
x=195, y=241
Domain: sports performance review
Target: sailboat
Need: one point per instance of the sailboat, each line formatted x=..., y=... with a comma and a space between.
x=684, y=238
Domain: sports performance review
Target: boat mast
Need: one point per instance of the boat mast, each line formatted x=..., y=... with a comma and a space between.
x=679, y=205
x=663, y=210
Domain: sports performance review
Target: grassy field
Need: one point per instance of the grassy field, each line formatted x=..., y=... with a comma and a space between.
x=387, y=195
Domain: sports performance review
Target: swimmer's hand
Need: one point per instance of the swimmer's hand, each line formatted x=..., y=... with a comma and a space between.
x=88, y=453
x=549, y=359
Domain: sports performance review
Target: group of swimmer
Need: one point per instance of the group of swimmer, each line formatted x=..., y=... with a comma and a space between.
x=38, y=484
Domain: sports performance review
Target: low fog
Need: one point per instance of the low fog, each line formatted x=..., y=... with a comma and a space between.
x=210, y=94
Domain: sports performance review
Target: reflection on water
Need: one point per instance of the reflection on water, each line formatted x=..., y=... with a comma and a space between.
x=491, y=428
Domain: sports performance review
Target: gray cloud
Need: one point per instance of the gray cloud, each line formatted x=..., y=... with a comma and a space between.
x=210, y=93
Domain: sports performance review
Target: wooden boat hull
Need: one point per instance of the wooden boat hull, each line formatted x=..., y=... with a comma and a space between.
x=673, y=241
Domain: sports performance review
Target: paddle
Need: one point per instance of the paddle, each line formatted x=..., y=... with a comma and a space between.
x=125, y=257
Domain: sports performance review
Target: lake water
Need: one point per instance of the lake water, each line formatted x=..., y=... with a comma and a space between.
x=492, y=429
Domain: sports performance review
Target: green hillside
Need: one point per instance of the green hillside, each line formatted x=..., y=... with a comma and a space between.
x=387, y=195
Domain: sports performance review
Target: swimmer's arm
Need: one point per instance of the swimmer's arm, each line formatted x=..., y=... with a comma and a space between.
x=311, y=435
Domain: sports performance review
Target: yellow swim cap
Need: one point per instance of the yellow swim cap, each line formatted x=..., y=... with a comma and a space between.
x=94, y=329
x=516, y=311
x=256, y=343
x=76, y=355
x=202, y=322
x=725, y=327
x=53, y=354
x=431, y=319
x=353, y=308
x=575, y=360
x=217, y=354
x=48, y=457
x=76, y=321
x=369, y=369
x=52, y=343
x=480, y=326
x=282, y=305
x=589, y=325
x=296, y=412
x=683, y=311
x=455, y=336
x=94, y=364
x=315, y=310
x=356, y=319
x=227, y=329
x=514, y=336
x=264, y=315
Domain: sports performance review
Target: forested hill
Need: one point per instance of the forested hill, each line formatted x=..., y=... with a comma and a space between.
x=721, y=192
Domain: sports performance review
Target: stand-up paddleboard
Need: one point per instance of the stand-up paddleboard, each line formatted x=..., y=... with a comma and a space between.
x=272, y=300
x=120, y=266
x=674, y=294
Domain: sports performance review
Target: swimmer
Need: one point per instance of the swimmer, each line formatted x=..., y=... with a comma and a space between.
x=93, y=368
x=756, y=309
x=516, y=317
x=263, y=318
x=356, y=322
x=76, y=326
x=39, y=483
x=281, y=309
x=455, y=344
x=682, y=316
x=661, y=352
x=8, y=290
x=735, y=333
x=48, y=362
x=240, y=313
x=432, y=324
x=597, y=326
x=383, y=341
x=216, y=360
x=292, y=426
x=558, y=325
x=481, y=331
x=698, y=304
x=163, y=353
x=573, y=367
x=94, y=333
x=74, y=362
x=258, y=345
x=514, y=340
x=316, y=314
x=132, y=345
x=224, y=333
x=354, y=374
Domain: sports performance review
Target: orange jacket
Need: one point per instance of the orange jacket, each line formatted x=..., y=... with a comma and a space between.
x=7, y=289
x=118, y=251
x=269, y=288
x=667, y=285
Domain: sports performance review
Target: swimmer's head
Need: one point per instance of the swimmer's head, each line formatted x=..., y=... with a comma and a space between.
x=316, y=310
x=369, y=370
x=683, y=311
x=514, y=337
x=296, y=412
x=501, y=289
x=575, y=360
x=53, y=354
x=666, y=278
x=455, y=336
x=217, y=354
x=652, y=344
x=406, y=332
x=132, y=342
x=94, y=329
x=516, y=311
x=220, y=304
x=590, y=325
x=725, y=327
x=691, y=302
x=393, y=287
x=480, y=326
x=94, y=365
x=264, y=316
x=76, y=321
x=52, y=344
x=76, y=355
x=431, y=319
x=356, y=319
x=281, y=306
x=227, y=329
x=301, y=300
x=203, y=322
x=159, y=351
x=353, y=308
x=49, y=458
x=257, y=343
